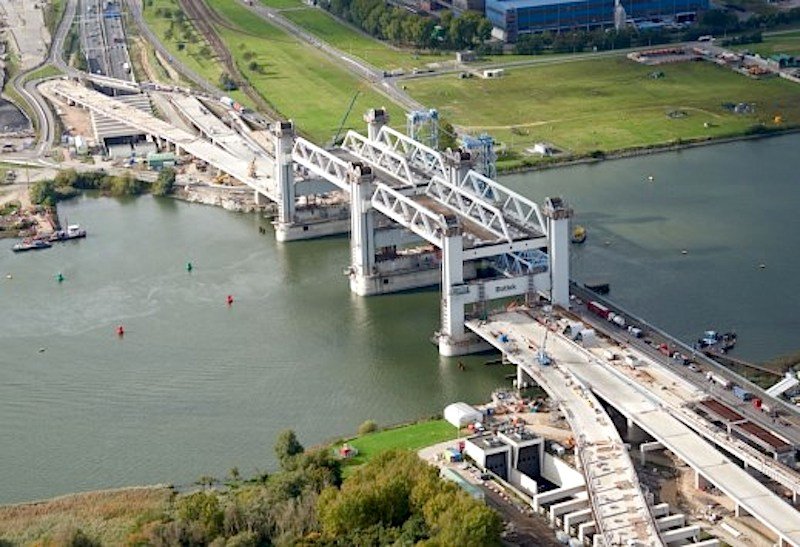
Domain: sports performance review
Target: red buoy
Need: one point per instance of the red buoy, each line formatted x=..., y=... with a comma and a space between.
x=230, y=299
x=120, y=331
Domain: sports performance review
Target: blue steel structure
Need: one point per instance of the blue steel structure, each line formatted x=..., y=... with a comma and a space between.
x=517, y=17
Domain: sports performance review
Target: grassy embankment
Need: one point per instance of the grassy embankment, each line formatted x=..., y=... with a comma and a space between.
x=609, y=104
x=107, y=516
x=53, y=14
x=297, y=80
x=196, y=53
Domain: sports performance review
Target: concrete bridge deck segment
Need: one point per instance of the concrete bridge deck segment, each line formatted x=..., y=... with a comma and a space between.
x=619, y=506
x=148, y=124
x=642, y=407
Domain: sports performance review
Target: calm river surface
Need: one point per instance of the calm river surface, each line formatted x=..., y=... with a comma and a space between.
x=196, y=387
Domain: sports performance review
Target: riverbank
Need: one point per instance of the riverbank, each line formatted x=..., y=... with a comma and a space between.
x=640, y=151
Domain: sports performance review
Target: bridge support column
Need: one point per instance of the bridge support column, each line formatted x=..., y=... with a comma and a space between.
x=453, y=337
x=636, y=434
x=644, y=448
x=283, y=134
x=458, y=163
x=362, y=231
x=558, y=215
x=375, y=118
x=700, y=482
x=741, y=511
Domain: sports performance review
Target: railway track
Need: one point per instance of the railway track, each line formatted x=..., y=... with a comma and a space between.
x=204, y=18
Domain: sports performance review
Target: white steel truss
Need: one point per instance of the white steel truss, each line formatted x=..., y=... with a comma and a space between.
x=410, y=214
x=321, y=162
x=467, y=204
x=380, y=157
x=515, y=207
x=522, y=263
x=421, y=157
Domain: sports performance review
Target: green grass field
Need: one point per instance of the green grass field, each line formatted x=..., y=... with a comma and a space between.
x=283, y=4
x=195, y=53
x=300, y=82
x=377, y=53
x=788, y=43
x=607, y=104
x=406, y=437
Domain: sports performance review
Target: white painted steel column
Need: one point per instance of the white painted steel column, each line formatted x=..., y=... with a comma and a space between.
x=283, y=134
x=362, y=230
x=375, y=118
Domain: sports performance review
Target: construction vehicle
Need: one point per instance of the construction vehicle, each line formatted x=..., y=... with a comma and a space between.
x=541, y=355
x=223, y=178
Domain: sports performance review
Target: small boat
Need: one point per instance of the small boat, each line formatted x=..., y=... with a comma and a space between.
x=73, y=231
x=578, y=234
x=31, y=245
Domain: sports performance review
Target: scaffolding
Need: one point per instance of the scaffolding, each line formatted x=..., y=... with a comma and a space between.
x=423, y=126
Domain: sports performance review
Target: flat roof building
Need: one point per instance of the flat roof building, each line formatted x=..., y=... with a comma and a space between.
x=512, y=18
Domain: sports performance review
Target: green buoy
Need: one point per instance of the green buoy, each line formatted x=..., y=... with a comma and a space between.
x=60, y=277
x=188, y=266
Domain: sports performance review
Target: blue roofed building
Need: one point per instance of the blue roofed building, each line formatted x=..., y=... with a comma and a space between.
x=512, y=18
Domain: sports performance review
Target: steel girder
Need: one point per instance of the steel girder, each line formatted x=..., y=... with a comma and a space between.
x=420, y=156
x=522, y=263
x=379, y=156
x=475, y=208
x=410, y=214
x=522, y=211
x=322, y=163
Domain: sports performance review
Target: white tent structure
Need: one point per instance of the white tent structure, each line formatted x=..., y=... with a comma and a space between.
x=460, y=414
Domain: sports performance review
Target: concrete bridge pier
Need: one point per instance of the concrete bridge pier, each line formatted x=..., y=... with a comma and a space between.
x=375, y=118
x=283, y=136
x=454, y=339
x=557, y=215
x=362, y=228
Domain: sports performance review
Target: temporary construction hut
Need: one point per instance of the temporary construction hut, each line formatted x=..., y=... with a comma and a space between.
x=460, y=414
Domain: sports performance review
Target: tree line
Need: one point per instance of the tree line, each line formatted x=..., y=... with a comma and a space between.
x=67, y=183
x=395, y=499
x=402, y=27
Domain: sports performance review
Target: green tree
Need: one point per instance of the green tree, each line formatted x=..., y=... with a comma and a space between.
x=367, y=427
x=202, y=508
x=165, y=183
x=43, y=193
x=287, y=447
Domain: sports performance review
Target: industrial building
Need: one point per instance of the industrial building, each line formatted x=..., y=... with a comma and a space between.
x=511, y=18
x=514, y=455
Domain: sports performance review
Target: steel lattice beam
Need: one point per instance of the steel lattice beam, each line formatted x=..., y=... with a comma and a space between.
x=467, y=204
x=522, y=263
x=379, y=157
x=410, y=214
x=321, y=162
x=522, y=211
x=421, y=157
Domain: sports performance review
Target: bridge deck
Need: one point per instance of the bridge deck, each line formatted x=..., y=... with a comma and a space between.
x=619, y=506
x=638, y=401
x=198, y=147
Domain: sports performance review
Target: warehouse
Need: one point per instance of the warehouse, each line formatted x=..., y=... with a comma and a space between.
x=514, y=17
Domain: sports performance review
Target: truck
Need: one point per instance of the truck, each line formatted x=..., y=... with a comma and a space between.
x=598, y=309
x=742, y=393
x=631, y=361
x=617, y=319
x=719, y=380
x=126, y=67
x=227, y=101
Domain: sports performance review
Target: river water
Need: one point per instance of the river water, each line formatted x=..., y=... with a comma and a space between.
x=196, y=387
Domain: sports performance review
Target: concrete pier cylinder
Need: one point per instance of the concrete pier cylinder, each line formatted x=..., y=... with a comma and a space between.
x=362, y=229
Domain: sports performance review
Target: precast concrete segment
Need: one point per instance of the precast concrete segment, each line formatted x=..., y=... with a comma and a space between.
x=620, y=508
x=634, y=401
x=150, y=125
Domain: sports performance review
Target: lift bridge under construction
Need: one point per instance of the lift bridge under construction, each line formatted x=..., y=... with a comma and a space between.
x=417, y=217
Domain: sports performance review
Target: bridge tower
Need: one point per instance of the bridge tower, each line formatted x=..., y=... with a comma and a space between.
x=558, y=214
x=375, y=118
x=283, y=135
x=362, y=229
